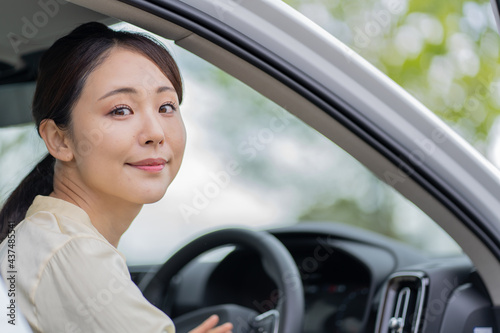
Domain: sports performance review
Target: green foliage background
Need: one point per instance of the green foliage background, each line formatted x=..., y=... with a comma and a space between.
x=453, y=64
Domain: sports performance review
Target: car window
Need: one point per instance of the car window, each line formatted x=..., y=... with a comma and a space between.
x=250, y=163
x=247, y=163
x=444, y=53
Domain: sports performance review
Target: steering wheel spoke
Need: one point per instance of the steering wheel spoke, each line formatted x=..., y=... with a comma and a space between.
x=267, y=322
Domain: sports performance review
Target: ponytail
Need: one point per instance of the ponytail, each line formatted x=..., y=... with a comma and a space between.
x=40, y=181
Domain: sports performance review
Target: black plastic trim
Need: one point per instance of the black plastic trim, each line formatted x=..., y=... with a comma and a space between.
x=209, y=28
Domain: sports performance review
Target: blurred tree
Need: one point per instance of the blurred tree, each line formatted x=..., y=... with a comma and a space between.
x=443, y=52
x=349, y=211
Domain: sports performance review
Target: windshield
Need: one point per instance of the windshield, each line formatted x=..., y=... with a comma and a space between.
x=247, y=163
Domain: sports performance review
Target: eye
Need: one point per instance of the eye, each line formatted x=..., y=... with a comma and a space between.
x=121, y=110
x=167, y=108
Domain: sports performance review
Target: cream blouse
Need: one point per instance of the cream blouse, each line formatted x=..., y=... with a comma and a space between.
x=69, y=278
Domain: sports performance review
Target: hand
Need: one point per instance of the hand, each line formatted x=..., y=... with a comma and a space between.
x=208, y=326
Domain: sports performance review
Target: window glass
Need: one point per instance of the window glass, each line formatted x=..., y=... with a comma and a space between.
x=247, y=163
x=250, y=163
x=445, y=53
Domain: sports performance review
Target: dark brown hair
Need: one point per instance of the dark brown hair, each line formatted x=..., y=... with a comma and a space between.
x=62, y=74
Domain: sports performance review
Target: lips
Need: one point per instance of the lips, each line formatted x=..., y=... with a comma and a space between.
x=150, y=164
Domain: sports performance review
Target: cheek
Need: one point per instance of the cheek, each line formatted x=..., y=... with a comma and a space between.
x=176, y=137
x=181, y=136
x=96, y=148
x=181, y=145
x=94, y=135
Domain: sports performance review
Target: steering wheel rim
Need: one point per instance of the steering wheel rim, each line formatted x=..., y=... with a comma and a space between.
x=276, y=258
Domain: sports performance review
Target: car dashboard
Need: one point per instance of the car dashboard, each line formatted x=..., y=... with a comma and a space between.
x=353, y=281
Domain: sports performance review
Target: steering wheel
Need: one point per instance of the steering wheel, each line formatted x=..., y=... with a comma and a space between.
x=289, y=313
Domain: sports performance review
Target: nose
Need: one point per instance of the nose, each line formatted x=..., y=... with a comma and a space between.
x=152, y=132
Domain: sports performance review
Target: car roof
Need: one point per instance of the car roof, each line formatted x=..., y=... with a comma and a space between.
x=30, y=27
x=26, y=34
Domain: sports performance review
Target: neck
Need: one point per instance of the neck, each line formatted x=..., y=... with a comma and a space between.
x=110, y=216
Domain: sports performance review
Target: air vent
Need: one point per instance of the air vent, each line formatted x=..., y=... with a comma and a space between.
x=402, y=307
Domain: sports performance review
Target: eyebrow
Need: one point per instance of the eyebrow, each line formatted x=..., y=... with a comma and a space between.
x=130, y=90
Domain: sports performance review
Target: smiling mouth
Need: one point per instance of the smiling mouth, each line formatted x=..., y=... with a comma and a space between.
x=150, y=165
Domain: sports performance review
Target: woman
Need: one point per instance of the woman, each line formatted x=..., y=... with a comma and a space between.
x=107, y=107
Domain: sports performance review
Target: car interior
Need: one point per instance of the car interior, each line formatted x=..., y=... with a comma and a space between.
x=326, y=276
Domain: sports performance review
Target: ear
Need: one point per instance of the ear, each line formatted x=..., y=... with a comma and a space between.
x=56, y=140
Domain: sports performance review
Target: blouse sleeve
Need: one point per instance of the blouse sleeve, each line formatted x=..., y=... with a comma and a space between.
x=86, y=287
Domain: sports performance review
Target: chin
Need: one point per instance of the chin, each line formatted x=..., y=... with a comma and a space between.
x=152, y=196
x=150, y=201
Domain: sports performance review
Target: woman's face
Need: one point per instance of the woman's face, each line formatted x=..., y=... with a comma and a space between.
x=127, y=134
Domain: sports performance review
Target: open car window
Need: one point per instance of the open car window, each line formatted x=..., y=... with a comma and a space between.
x=248, y=162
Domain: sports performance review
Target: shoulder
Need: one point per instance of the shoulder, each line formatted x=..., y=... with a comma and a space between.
x=55, y=229
x=44, y=238
x=48, y=261
x=51, y=222
x=40, y=236
x=57, y=216
x=82, y=267
x=84, y=254
x=87, y=283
